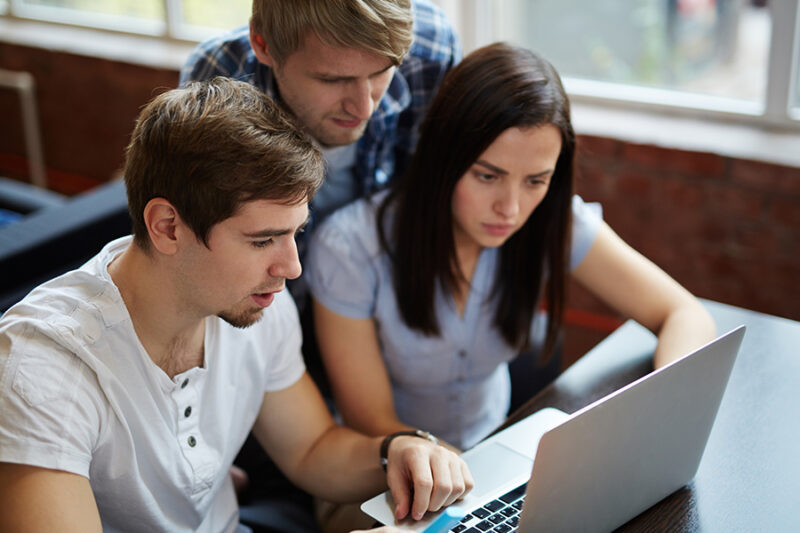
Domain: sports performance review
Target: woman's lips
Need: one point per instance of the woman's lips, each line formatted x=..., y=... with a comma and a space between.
x=498, y=230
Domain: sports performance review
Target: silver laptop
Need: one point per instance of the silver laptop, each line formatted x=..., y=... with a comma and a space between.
x=601, y=466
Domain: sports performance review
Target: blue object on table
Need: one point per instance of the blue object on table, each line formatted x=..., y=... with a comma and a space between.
x=448, y=519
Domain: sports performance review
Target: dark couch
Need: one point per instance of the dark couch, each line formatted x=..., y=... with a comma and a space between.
x=56, y=234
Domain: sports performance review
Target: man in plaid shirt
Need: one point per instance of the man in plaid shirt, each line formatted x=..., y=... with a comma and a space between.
x=358, y=75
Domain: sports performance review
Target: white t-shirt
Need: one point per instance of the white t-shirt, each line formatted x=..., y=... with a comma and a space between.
x=79, y=393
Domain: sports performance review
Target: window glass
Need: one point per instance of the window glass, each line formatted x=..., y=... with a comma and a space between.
x=136, y=9
x=215, y=14
x=712, y=47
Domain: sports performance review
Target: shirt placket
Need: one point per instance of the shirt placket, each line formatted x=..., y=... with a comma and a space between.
x=186, y=396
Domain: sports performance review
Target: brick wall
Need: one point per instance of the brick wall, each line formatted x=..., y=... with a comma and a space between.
x=87, y=107
x=727, y=229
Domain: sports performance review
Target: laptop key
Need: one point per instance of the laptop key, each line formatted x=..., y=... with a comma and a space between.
x=494, y=505
x=459, y=528
x=496, y=518
x=513, y=521
x=501, y=528
x=512, y=495
x=480, y=512
x=473, y=530
x=484, y=526
x=510, y=511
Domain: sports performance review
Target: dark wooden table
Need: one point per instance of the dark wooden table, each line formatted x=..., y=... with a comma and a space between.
x=749, y=478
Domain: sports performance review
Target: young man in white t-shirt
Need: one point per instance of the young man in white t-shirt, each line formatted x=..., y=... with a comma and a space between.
x=128, y=386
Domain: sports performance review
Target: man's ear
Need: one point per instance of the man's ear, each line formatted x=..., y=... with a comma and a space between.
x=164, y=225
x=260, y=48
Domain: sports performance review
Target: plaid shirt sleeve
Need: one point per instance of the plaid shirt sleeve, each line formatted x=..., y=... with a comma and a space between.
x=391, y=138
x=228, y=55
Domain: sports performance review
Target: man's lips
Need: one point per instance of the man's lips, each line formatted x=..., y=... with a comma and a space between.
x=347, y=123
x=263, y=299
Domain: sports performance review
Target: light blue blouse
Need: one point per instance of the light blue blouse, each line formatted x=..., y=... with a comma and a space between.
x=455, y=385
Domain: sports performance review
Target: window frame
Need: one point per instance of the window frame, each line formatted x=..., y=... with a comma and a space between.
x=475, y=22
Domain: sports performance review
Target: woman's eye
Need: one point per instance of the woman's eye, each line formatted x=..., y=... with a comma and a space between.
x=483, y=176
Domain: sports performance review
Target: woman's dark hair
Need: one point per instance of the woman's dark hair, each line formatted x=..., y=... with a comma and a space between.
x=493, y=89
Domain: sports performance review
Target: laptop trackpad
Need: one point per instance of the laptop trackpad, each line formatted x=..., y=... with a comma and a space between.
x=493, y=466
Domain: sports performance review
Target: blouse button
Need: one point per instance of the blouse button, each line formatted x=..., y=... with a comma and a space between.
x=192, y=441
x=185, y=382
x=187, y=412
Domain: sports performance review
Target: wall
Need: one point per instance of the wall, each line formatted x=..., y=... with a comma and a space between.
x=87, y=108
x=727, y=229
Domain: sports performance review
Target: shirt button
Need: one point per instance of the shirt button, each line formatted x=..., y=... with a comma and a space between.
x=462, y=353
x=185, y=382
x=192, y=442
x=187, y=412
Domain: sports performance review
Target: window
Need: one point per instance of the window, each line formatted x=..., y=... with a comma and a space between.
x=181, y=19
x=727, y=57
x=734, y=58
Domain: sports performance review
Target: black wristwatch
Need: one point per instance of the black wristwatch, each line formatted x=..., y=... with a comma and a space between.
x=409, y=433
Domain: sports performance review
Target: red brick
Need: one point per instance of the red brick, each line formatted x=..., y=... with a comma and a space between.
x=766, y=176
x=682, y=192
x=663, y=159
x=592, y=147
x=786, y=212
x=756, y=241
x=737, y=203
x=633, y=187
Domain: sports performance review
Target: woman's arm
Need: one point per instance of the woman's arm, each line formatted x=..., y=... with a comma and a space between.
x=356, y=371
x=637, y=288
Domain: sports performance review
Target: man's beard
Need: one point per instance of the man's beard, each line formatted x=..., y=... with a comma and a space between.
x=242, y=319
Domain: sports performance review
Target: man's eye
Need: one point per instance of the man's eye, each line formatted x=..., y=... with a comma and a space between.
x=262, y=244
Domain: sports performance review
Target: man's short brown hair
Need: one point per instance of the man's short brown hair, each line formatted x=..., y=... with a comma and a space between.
x=211, y=146
x=383, y=27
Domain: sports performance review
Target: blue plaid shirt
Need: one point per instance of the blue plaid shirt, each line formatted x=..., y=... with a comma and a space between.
x=392, y=132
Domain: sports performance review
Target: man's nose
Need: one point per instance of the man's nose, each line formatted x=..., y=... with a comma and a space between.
x=288, y=264
x=358, y=101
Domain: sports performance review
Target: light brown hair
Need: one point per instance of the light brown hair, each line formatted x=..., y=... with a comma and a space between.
x=211, y=146
x=383, y=27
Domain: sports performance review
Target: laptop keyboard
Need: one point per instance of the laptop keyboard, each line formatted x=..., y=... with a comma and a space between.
x=498, y=516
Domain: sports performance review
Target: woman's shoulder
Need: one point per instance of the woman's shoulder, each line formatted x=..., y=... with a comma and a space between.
x=352, y=226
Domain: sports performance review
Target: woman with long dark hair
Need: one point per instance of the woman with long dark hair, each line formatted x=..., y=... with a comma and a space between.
x=423, y=295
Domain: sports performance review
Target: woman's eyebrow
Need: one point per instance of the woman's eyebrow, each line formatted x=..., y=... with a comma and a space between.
x=496, y=170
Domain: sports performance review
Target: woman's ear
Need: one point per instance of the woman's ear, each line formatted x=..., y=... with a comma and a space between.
x=162, y=221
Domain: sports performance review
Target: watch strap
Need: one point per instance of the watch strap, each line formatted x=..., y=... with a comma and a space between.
x=408, y=433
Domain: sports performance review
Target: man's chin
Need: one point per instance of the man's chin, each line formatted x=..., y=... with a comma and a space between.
x=242, y=319
x=341, y=137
